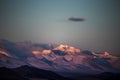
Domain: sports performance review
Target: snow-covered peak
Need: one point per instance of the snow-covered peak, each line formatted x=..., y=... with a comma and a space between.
x=4, y=53
x=67, y=49
x=46, y=51
x=103, y=55
x=37, y=52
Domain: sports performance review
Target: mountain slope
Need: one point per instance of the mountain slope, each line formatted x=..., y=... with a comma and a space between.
x=31, y=72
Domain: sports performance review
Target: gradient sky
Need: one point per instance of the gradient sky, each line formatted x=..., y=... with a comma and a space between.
x=46, y=21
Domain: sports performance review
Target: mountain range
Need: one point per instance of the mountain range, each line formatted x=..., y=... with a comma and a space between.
x=65, y=60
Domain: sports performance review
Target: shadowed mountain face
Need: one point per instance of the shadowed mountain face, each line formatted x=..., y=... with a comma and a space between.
x=62, y=59
x=31, y=72
x=28, y=73
x=9, y=74
x=102, y=76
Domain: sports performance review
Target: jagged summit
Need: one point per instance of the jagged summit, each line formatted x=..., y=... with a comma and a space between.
x=63, y=48
x=67, y=49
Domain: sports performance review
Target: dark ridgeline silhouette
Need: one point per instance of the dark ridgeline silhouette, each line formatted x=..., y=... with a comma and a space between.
x=28, y=73
x=31, y=73
x=9, y=74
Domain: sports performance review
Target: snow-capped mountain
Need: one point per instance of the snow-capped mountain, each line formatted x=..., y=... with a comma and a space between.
x=58, y=58
x=6, y=60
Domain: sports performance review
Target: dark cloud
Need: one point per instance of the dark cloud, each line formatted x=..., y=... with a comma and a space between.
x=76, y=19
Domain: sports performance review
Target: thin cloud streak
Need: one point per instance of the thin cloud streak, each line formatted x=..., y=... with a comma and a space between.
x=76, y=19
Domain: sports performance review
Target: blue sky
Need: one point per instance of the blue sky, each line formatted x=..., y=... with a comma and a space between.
x=46, y=21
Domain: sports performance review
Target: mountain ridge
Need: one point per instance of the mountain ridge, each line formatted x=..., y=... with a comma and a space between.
x=57, y=58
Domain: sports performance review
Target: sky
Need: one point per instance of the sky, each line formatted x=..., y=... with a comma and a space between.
x=47, y=21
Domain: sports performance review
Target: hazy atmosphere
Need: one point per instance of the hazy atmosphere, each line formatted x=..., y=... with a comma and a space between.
x=49, y=21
